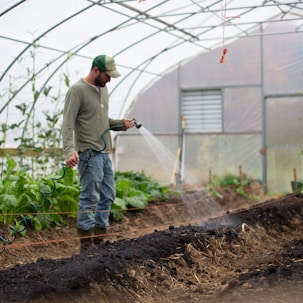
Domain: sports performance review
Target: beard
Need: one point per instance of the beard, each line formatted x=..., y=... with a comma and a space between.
x=99, y=83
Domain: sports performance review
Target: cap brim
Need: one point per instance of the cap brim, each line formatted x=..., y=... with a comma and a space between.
x=113, y=73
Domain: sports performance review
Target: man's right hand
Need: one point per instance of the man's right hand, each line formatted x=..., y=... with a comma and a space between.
x=72, y=160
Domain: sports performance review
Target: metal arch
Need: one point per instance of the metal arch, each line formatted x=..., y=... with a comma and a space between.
x=62, y=63
x=43, y=68
x=225, y=23
x=12, y=7
x=55, y=71
x=168, y=25
x=292, y=5
x=37, y=39
x=148, y=61
x=63, y=53
x=248, y=8
x=147, y=17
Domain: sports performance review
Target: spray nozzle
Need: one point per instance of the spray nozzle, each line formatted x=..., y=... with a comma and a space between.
x=138, y=125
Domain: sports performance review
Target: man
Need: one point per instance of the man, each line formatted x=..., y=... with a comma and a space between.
x=87, y=142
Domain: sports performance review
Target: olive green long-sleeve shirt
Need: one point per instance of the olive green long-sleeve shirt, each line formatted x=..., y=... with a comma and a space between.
x=85, y=119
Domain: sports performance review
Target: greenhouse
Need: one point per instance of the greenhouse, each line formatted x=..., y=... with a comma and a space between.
x=216, y=85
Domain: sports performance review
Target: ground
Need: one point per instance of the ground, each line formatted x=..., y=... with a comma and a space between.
x=191, y=248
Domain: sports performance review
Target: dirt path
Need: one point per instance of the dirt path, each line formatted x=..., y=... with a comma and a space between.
x=252, y=254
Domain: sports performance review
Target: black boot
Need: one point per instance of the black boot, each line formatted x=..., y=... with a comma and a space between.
x=86, y=239
x=100, y=233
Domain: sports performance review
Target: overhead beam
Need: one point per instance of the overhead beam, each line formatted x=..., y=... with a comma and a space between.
x=150, y=17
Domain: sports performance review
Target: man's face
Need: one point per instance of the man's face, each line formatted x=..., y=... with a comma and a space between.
x=101, y=79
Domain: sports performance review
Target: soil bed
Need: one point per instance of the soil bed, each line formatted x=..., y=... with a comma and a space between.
x=250, y=252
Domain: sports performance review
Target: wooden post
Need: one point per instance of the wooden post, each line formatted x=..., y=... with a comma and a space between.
x=209, y=176
x=173, y=175
x=295, y=179
x=240, y=173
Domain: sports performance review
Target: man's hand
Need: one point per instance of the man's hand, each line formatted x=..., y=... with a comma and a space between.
x=72, y=160
x=129, y=123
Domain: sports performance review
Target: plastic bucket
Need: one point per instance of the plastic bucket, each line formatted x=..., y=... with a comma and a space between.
x=298, y=185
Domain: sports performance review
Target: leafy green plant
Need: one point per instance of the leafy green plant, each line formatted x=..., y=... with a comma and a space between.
x=17, y=191
x=48, y=200
x=62, y=194
x=212, y=191
x=135, y=190
x=240, y=187
x=227, y=180
x=38, y=202
x=212, y=188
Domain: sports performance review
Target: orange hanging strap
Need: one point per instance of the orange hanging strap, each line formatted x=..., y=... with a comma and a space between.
x=223, y=55
x=223, y=14
x=223, y=7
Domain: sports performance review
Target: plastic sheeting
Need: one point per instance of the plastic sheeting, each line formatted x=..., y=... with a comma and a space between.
x=262, y=93
x=161, y=47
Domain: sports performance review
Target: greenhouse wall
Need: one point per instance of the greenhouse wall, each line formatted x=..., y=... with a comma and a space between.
x=261, y=85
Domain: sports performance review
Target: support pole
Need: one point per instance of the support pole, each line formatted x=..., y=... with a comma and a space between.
x=182, y=148
x=295, y=180
x=264, y=140
x=175, y=168
x=240, y=173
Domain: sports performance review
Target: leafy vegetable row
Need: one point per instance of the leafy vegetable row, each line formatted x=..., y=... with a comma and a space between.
x=22, y=196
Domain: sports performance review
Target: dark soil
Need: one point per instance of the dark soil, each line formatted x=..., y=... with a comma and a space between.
x=192, y=248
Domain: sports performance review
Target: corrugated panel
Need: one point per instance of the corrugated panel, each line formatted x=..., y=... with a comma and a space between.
x=203, y=111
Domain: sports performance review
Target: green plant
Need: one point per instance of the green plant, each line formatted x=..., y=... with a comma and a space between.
x=135, y=190
x=212, y=188
x=65, y=191
x=17, y=191
x=228, y=180
x=38, y=134
x=26, y=200
x=48, y=200
x=240, y=186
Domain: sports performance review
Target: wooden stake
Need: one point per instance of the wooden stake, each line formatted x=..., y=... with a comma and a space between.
x=173, y=175
x=240, y=173
x=295, y=179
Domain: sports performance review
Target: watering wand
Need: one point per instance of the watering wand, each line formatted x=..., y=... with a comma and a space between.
x=138, y=125
x=118, y=127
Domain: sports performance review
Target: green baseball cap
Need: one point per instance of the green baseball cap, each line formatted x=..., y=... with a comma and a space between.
x=106, y=64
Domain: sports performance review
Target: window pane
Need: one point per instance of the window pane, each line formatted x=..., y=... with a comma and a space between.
x=202, y=110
